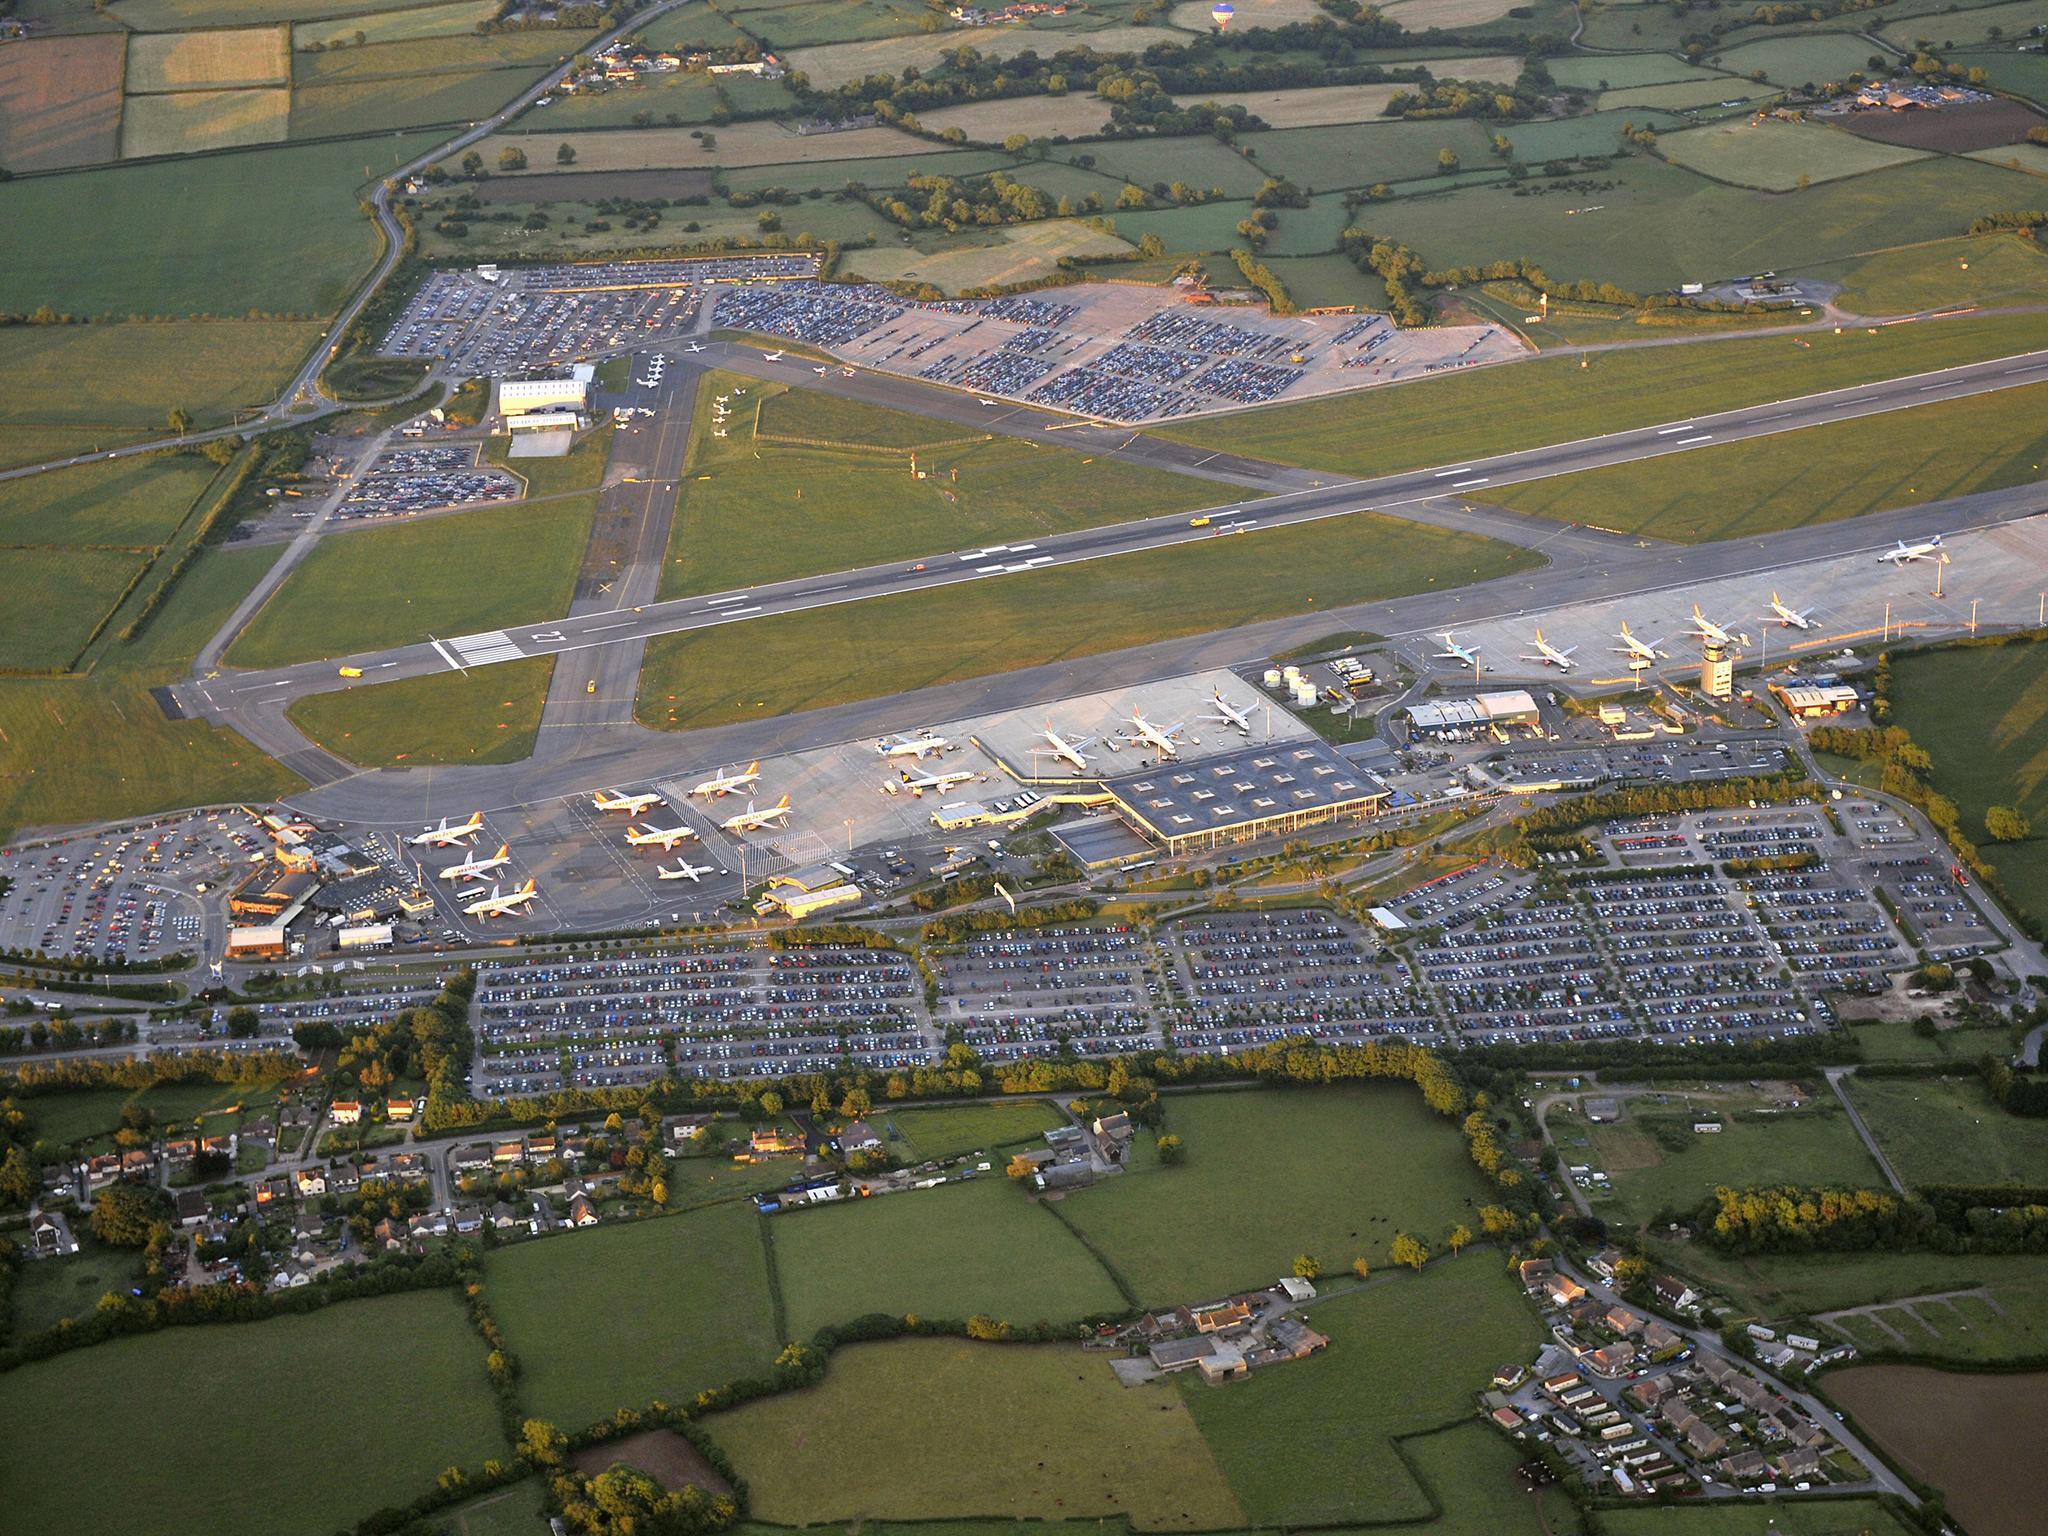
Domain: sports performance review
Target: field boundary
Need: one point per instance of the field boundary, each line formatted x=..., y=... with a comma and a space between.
x=778, y=1309
x=1116, y=1276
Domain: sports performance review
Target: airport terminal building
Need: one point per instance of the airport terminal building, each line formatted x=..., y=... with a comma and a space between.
x=1268, y=790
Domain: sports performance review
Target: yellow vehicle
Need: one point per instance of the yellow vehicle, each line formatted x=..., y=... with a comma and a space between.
x=1198, y=522
x=591, y=686
x=351, y=671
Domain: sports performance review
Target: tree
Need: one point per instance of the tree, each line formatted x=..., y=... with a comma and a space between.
x=1410, y=1251
x=510, y=159
x=2006, y=824
x=565, y=154
x=1361, y=1267
x=856, y=1103
x=771, y=1103
x=18, y=1181
x=1631, y=1273
x=541, y=1443
x=1307, y=1266
x=126, y=1215
x=242, y=1023
x=1460, y=1236
x=1172, y=1151
x=1020, y=1166
x=180, y=420
x=1446, y=161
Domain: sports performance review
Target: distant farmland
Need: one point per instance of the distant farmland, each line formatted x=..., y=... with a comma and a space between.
x=60, y=101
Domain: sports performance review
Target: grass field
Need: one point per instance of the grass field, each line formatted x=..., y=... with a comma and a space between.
x=190, y=121
x=736, y=144
x=957, y=1129
x=1979, y=712
x=1312, y=1444
x=1525, y=405
x=51, y=1290
x=889, y=645
x=984, y=1247
x=834, y=64
x=403, y=101
x=1312, y=107
x=1947, y=1131
x=175, y=15
x=1471, y=1470
x=1780, y=1285
x=1357, y=155
x=2024, y=74
x=1982, y=269
x=60, y=101
x=580, y=469
x=797, y=23
x=1618, y=72
x=132, y=502
x=407, y=582
x=1895, y=1040
x=662, y=1308
x=1270, y=1175
x=1820, y=475
x=2031, y=158
x=1200, y=162
x=1686, y=93
x=1786, y=1517
x=69, y=1119
x=36, y=637
x=488, y=716
x=514, y=1511
x=1594, y=133
x=1778, y=156
x=140, y=370
x=202, y=1405
x=1816, y=58
x=276, y=230
x=692, y=99
x=208, y=61
x=1028, y=1431
x=404, y=26
x=991, y=122
x=1962, y=28
x=2007, y=1324
x=435, y=56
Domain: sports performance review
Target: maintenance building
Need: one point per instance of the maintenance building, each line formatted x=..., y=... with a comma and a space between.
x=1266, y=790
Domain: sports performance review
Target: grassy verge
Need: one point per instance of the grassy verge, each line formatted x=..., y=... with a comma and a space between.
x=488, y=716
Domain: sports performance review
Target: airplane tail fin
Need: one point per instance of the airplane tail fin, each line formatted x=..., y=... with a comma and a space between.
x=504, y=851
x=529, y=888
x=781, y=805
x=754, y=766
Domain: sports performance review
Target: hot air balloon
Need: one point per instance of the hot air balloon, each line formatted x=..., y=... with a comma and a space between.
x=1222, y=13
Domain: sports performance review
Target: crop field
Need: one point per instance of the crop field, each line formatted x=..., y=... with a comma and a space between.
x=1817, y=58
x=1195, y=16
x=434, y=56
x=139, y=370
x=984, y=1247
x=1778, y=156
x=1820, y=475
x=404, y=26
x=736, y=144
x=201, y=1446
x=60, y=101
x=1028, y=1431
x=404, y=101
x=275, y=230
x=408, y=581
x=1199, y=162
x=1686, y=93
x=1971, y=1434
x=990, y=122
x=1979, y=713
x=190, y=121
x=691, y=99
x=173, y=15
x=1320, y=159
x=35, y=637
x=891, y=645
x=1981, y=269
x=1021, y=253
x=1312, y=107
x=1786, y=1517
x=806, y=23
x=489, y=716
x=955, y=1130
x=134, y=503
x=208, y=61
x=1270, y=1175
x=836, y=63
x=665, y=1307
x=1312, y=1443
x=1947, y=1131
x=1618, y=72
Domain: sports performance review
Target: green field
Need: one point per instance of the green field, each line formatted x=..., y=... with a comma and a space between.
x=1594, y=133
x=515, y=1511
x=1312, y=1443
x=488, y=716
x=1895, y=1040
x=396, y=26
x=1748, y=1517
x=66, y=1119
x=361, y=591
x=1685, y=93
x=1471, y=1470
x=889, y=645
x=954, y=1130
x=402, y=101
x=134, y=502
x=275, y=230
x=34, y=638
x=2010, y=1323
x=1966, y=26
x=200, y=1433
x=134, y=373
x=948, y=1252
x=1780, y=1285
x=804, y=23
x=1816, y=58
x=2024, y=74
x=438, y=56
x=1038, y=1431
x=1270, y=1175
x=1200, y=162
x=770, y=511
x=1359, y=154
x=1984, y=269
x=580, y=469
x=624, y=1314
x=1616, y=72
x=1978, y=712
x=48, y=1291
x=1778, y=156
x=1947, y=1131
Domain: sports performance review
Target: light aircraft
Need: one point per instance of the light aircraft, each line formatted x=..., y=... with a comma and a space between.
x=1452, y=651
x=685, y=870
x=446, y=836
x=1157, y=737
x=495, y=905
x=772, y=357
x=923, y=744
x=1229, y=714
x=476, y=869
x=632, y=805
x=694, y=347
x=1635, y=650
x=1550, y=655
x=821, y=372
x=1067, y=751
x=918, y=783
x=1711, y=632
x=1790, y=618
x=751, y=820
x=720, y=785
x=664, y=838
x=1926, y=549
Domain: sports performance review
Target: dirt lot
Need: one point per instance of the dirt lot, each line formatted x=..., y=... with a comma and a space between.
x=60, y=101
x=1952, y=130
x=592, y=186
x=1974, y=1436
x=662, y=1454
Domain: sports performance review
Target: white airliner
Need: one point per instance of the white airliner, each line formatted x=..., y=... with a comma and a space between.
x=446, y=836
x=1158, y=737
x=751, y=820
x=918, y=783
x=476, y=869
x=685, y=870
x=923, y=744
x=720, y=785
x=1067, y=751
x=1452, y=651
x=1708, y=630
x=1228, y=713
x=772, y=357
x=821, y=372
x=694, y=347
x=1791, y=618
x=495, y=905
x=1550, y=655
x=632, y=805
x=1928, y=549
x=664, y=838
x=1635, y=650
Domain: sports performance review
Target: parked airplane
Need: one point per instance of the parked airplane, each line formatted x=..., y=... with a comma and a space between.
x=1709, y=631
x=685, y=870
x=1228, y=713
x=772, y=357
x=1927, y=549
x=632, y=805
x=918, y=783
x=751, y=820
x=1452, y=651
x=1637, y=651
x=923, y=744
x=476, y=869
x=1789, y=618
x=720, y=785
x=696, y=347
x=1067, y=751
x=445, y=836
x=821, y=372
x=664, y=838
x=1550, y=655
x=495, y=905
x=1158, y=737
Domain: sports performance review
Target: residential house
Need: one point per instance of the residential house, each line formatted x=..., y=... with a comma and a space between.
x=312, y=1181
x=581, y=1212
x=272, y=1190
x=388, y=1234
x=399, y=1111
x=1116, y=1127
x=1659, y=1336
x=346, y=1111
x=1744, y=1467
x=1673, y=1294
x=1603, y=1262
x=1224, y=1317
x=344, y=1179
x=1294, y=1338
x=541, y=1146
x=506, y=1153
x=1535, y=1272
x=1705, y=1441
x=858, y=1136
x=1800, y=1462
x=191, y=1207
x=1562, y=1290
x=49, y=1237
x=1650, y=1391
x=468, y=1219
x=775, y=1141
x=504, y=1216
x=472, y=1158
x=1621, y=1320
x=1614, y=1360
x=681, y=1130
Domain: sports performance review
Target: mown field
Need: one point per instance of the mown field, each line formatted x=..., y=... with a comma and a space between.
x=51, y=1290
x=491, y=715
x=446, y=576
x=132, y=502
x=956, y=1129
x=39, y=637
x=735, y=144
x=201, y=1409
x=131, y=374
x=1947, y=1131
x=1778, y=156
x=201, y=61
x=402, y=101
x=620, y=1315
x=862, y=650
x=190, y=121
x=1787, y=1517
x=1984, y=269
x=396, y=26
x=60, y=101
x=1027, y=1431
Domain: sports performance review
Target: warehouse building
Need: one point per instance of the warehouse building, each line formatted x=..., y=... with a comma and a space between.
x=1814, y=701
x=519, y=398
x=1478, y=713
x=1267, y=790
